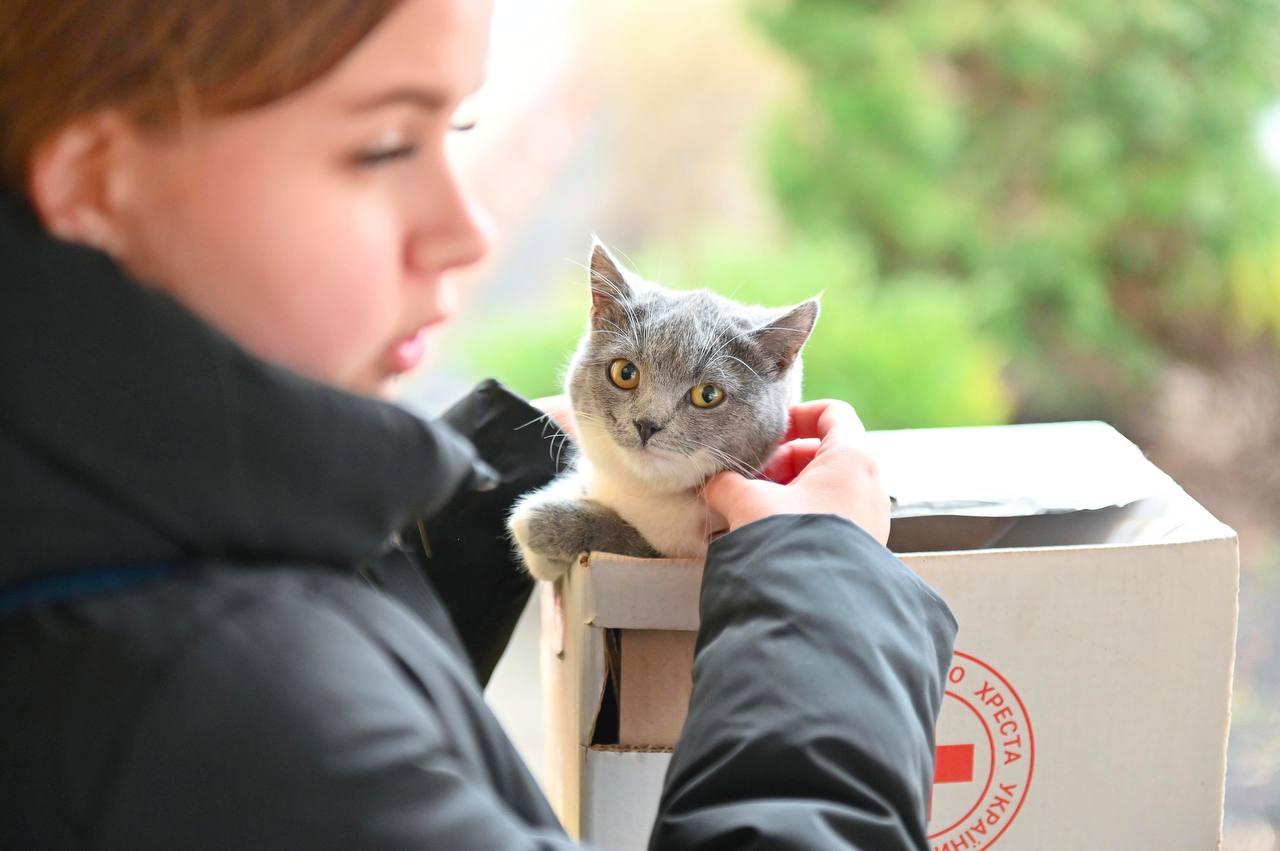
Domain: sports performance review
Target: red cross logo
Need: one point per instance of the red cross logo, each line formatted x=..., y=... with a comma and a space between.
x=988, y=778
x=953, y=764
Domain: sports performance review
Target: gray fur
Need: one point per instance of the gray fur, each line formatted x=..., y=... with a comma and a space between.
x=562, y=529
x=677, y=340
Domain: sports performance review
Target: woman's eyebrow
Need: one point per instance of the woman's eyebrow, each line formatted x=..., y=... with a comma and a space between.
x=431, y=100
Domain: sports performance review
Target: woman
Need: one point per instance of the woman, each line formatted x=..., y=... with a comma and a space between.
x=246, y=603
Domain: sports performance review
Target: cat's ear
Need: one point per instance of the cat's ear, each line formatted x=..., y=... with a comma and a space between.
x=609, y=288
x=782, y=338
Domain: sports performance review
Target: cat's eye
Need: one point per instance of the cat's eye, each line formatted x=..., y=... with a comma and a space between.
x=706, y=396
x=624, y=374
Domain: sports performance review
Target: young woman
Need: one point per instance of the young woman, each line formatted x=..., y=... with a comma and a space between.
x=247, y=603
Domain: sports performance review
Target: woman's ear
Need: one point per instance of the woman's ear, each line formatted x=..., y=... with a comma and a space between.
x=75, y=177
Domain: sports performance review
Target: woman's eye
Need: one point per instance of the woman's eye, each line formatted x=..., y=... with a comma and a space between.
x=382, y=156
x=463, y=126
x=706, y=396
x=624, y=374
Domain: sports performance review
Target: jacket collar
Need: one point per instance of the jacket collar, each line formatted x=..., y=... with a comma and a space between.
x=131, y=430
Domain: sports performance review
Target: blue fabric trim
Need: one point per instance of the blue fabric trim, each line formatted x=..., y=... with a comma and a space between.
x=83, y=583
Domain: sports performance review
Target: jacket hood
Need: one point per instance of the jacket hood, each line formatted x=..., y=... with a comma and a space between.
x=133, y=431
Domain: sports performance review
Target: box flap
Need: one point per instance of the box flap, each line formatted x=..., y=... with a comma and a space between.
x=624, y=592
x=1012, y=471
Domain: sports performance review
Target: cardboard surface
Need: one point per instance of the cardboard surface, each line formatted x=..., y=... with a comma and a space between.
x=657, y=678
x=1086, y=705
x=625, y=820
x=947, y=532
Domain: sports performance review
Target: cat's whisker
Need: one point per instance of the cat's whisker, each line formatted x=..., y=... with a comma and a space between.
x=726, y=343
x=760, y=330
x=542, y=419
x=611, y=333
x=630, y=338
x=564, y=440
x=742, y=466
x=741, y=361
x=615, y=288
x=707, y=526
x=630, y=262
x=619, y=296
x=734, y=463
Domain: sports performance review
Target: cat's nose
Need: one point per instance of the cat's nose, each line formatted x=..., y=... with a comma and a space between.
x=647, y=429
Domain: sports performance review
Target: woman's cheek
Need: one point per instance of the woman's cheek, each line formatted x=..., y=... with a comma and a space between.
x=357, y=305
x=325, y=252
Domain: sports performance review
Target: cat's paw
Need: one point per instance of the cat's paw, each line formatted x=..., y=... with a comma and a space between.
x=530, y=526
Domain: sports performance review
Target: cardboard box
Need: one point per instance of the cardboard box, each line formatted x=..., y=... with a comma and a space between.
x=1087, y=703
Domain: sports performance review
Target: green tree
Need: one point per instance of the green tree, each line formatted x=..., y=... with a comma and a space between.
x=1084, y=170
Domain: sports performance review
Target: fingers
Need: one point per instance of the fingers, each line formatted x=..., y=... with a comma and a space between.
x=789, y=459
x=729, y=493
x=822, y=418
x=720, y=489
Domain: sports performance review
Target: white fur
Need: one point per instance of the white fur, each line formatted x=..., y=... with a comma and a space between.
x=657, y=496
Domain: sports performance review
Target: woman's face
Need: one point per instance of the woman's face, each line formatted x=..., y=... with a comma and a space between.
x=317, y=230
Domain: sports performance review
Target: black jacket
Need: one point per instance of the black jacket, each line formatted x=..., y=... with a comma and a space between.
x=332, y=585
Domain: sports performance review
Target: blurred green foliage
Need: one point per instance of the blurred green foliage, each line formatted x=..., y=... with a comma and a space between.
x=1084, y=171
x=527, y=348
x=907, y=356
x=1016, y=209
x=1255, y=288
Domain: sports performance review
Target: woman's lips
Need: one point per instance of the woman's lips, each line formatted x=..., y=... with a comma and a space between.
x=407, y=353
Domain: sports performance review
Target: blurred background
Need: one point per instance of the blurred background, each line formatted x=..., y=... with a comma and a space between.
x=1019, y=211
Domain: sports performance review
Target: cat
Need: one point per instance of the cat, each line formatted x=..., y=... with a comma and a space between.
x=667, y=389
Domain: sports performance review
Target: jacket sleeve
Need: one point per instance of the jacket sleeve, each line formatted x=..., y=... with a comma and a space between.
x=465, y=548
x=817, y=681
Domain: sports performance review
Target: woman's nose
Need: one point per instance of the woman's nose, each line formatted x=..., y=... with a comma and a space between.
x=453, y=230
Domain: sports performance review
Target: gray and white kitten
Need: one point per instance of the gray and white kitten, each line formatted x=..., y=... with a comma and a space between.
x=667, y=389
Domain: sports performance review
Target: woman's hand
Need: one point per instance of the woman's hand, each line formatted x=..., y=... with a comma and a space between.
x=560, y=411
x=821, y=468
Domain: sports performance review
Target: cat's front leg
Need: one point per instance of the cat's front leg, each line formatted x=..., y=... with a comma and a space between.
x=532, y=524
x=552, y=531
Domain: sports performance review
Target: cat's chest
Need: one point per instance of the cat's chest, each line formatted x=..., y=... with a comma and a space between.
x=674, y=524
